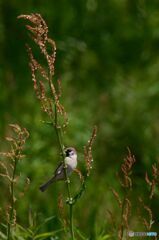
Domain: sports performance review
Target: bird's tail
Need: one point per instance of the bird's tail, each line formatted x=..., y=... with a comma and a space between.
x=44, y=186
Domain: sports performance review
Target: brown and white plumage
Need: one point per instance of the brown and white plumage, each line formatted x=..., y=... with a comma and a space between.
x=59, y=174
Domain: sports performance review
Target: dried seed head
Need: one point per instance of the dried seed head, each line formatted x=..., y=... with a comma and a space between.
x=154, y=179
x=126, y=170
x=116, y=195
x=39, y=33
x=147, y=221
x=126, y=212
x=88, y=151
x=147, y=179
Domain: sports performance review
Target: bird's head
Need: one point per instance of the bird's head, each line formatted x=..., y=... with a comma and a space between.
x=70, y=152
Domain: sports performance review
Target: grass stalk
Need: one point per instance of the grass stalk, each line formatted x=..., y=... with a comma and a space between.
x=12, y=181
x=50, y=103
x=71, y=221
x=11, y=212
x=17, y=141
x=69, y=201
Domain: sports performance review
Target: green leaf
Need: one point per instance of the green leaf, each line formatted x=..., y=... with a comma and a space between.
x=3, y=236
x=25, y=230
x=4, y=225
x=80, y=234
x=43, y=223
x=47, y=234
x=107, y=236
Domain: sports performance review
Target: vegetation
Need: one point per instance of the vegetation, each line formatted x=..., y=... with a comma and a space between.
x=107, y=71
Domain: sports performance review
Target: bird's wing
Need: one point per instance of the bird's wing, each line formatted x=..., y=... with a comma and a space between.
x=59, y=169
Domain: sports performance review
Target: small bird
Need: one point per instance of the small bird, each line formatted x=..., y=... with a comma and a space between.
x=59, y=174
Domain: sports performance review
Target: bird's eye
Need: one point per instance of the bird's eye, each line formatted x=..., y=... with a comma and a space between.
x=67, y=152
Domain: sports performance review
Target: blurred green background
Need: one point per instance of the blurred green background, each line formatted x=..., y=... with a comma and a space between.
x=108, y=62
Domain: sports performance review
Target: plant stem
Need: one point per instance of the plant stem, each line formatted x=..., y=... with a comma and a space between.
x=126, y=193
x=71, y=221
x=58, y=133
x=11, y=212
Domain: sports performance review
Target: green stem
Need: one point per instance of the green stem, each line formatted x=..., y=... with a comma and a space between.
x=126, y=193
x=71, y=221
x=11, y=212
x=58, y=133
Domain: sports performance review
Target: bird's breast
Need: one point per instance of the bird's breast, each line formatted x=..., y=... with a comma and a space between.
x=72, y=162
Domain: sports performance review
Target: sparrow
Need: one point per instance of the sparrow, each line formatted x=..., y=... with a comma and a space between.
x=59, y=174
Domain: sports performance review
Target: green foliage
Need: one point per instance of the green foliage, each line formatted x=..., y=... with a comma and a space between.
x=32, y=232
x=107, y=60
